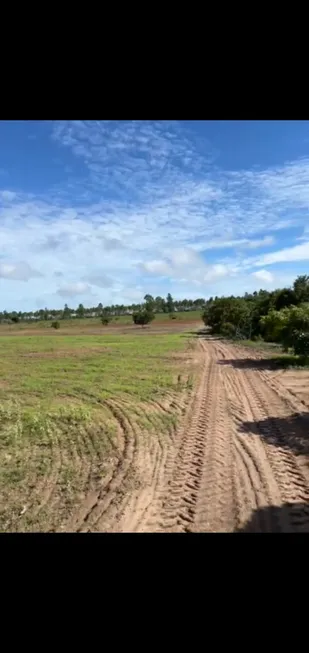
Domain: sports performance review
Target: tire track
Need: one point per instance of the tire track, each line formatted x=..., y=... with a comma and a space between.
x=284, y=481
x=197, y=492
x=251, y=464
x=97, y=502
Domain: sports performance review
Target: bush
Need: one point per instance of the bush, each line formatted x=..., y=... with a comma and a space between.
x=301, y=344
x=105, y=320
x=172, y=316
x=143, y=317
x=55, y=325
x=228, y=330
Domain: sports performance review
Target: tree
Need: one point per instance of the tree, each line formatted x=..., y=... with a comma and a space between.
x=284, y=298
x=169, y=303
x=301, y=288
x=80, y=311
x=143, y=317
x=273, y=325
x=105, y=320
x=66, y=312
x=228, y=314
x=55, y=324
x=159, y=304
x=149, y=303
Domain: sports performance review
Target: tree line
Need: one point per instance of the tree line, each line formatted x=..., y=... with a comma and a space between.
x=280, y=316
x=154, y=304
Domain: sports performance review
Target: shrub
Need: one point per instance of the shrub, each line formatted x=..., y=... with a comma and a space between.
x=301, y=344
x=105, y=320
x=228, y=330
x=55, y=324
x=172, y=316
x=143, y=317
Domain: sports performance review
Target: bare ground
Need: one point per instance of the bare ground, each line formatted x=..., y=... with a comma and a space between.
x=239, y=461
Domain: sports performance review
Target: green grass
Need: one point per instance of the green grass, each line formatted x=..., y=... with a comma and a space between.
x=261, y=345
x=95, y=322
x=275, y=354
x=35, y=368
x=54, y=411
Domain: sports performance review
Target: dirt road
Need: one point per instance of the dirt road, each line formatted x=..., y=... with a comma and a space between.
x=239, y=462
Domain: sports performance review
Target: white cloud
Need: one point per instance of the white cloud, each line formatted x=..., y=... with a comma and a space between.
x=142, y=208
x=7, y=195
x=18, y=272
x=287, y=255
x=186, y=265
x=73, y=289
x=263, y=275
x=101, y=280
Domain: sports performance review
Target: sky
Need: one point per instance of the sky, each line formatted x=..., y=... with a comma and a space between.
x=106, y=211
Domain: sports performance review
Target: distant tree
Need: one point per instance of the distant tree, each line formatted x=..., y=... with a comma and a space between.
x=149, y=303
x=80, y=310
x=159, y=304
x=169, y=303
x=66, y=312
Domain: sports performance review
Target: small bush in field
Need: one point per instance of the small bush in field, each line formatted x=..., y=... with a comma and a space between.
x=105, y=320
x=55, y=324
x=172, y=316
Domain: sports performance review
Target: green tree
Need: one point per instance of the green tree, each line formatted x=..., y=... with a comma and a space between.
x=284, y=298
x=301, y=288
x=149, y=303
x=143, y=317
x=169, y=303
x=66, y=312
x=274, y=324
x=80, y=310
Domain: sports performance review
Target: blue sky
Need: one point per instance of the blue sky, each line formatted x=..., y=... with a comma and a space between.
x=107, y=211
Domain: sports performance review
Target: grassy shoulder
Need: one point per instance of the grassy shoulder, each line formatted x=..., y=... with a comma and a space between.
x=275, y=354
x=61, y=400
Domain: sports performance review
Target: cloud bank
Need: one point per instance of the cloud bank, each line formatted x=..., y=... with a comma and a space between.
x=144, y=207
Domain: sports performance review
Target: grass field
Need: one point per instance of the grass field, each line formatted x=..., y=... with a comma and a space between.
x=95, y=322
x=65, y=405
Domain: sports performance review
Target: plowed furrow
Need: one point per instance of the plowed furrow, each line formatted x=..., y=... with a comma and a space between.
x=44, y=492
x=98, y=500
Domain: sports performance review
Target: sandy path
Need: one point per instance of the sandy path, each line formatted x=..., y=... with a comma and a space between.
x=239, y=462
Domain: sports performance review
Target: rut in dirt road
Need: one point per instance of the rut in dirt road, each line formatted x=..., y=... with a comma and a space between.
x=233, y=466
